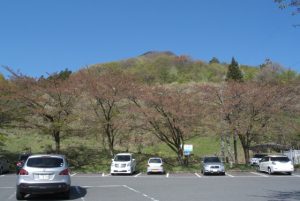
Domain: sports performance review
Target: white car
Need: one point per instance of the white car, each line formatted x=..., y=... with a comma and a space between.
x=276, y=163
x=123, y=163
x=155, y=165
x=256, y=158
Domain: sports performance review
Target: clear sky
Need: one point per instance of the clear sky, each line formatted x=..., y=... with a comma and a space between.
x=45, y=36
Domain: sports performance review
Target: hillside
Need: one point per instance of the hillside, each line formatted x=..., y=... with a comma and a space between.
x=167, y=67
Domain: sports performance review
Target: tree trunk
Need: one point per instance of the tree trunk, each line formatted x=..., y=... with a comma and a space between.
x=229, y=150
x=235, y=147
x=56, y=136
x=223, y=146
x=245, y=145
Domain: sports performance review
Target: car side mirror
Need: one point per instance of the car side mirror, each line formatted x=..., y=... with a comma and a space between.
x=112, y=160
x=133, y=159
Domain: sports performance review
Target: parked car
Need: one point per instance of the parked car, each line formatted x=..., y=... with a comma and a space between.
x=21, y=160
x=256, y=158
x=4, y=165
x=44, y=174
x=276, y=163
x=155, y=165
x=123, y=163
x=212, y=165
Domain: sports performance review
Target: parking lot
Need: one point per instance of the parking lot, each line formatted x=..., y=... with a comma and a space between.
x=239, y=186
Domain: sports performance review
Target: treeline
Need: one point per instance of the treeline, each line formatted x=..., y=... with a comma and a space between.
x=119, y=104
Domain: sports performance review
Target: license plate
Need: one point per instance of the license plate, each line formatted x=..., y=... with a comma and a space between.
x=43, y=176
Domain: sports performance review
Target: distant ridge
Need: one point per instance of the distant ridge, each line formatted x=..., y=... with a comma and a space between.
x=157, y=53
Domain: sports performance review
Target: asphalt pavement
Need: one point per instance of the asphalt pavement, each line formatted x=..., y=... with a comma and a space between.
x=234, y=186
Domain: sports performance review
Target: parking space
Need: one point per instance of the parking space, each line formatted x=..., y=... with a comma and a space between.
x=169, y=187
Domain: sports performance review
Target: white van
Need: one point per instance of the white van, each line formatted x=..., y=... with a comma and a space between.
x=123, y=163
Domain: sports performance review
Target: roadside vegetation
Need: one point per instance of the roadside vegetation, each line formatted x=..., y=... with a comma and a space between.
x=151, y=105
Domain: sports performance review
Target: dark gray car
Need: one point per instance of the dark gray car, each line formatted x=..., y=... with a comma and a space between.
x=44, y=174
x=212, y=165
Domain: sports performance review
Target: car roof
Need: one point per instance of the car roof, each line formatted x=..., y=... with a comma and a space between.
x=124, y=154
x=276, y=155
x=155, y=158
x=47, y=155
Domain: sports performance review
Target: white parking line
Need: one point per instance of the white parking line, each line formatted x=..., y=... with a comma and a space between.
x=295, y=175
x=167, y=175
x=2, y=175
x=73, y=174
x=197, y=175
x=138, y=192
x=104, y=186
x=137, y=175
x=12, y=196
x=229, y=175
x=259, y=174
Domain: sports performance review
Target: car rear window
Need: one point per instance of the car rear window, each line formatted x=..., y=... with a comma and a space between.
x=212, y=160
x=155, y=160
x=280, y=159
x=45, y=162
x=122, y=158
x=259, y=155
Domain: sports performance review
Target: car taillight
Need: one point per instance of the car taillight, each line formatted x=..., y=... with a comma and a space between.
x=64, y=172
x=19, y=164
x=23, y=172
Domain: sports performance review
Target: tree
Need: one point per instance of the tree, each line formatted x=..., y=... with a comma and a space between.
x=234, y=72
x=107, y=93
x=171, y=114
x=214, y=60
x=289, y=3
x=48, y=103
x=253, y=106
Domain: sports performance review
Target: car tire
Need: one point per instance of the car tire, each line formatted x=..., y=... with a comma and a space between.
x=19, y=195
x=223, y=174
x=258, y=169
x=1, y=170
x=269, y=171
x=289, y=173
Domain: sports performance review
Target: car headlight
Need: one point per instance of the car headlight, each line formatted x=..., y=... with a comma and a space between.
x=128, y=164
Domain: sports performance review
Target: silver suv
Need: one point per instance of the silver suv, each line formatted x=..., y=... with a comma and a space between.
x=44, y=174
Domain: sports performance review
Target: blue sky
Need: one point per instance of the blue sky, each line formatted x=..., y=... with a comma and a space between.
x=45, y=36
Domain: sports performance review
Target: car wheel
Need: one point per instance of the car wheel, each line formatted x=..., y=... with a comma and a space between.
x=1, y=170
x=19, y=195
x=258, y=168
x=223, y=173
x=269, y=171
x=289, y=173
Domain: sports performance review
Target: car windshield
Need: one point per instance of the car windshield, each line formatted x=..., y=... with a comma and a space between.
x=45, y=162
x=155, y=160
x=212, y=160
x=280, y=159
x=259, y=155
x=122, y=158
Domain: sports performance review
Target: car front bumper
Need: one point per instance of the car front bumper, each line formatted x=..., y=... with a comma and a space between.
x=125, y=170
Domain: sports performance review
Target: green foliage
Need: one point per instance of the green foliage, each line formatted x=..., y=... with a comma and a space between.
x=214, y=60
x=234, y=72
x=62, y=75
